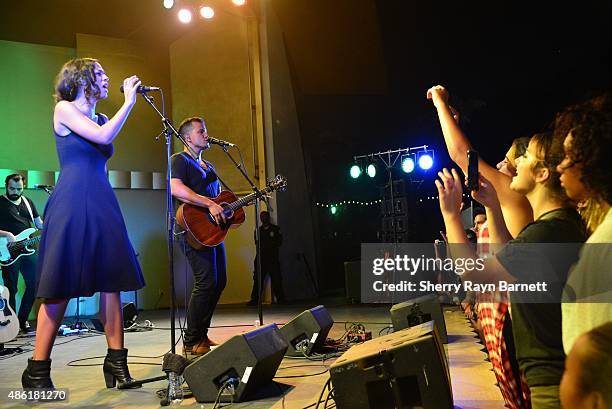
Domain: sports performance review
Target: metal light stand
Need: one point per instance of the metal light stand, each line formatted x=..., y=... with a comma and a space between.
x=389, y=158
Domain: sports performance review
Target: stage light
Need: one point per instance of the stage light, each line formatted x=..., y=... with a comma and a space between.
x=184, y=16
x=355, y=171
x=334, y=209
x=207, y=12
x=426, y=160
x=407, y=164
x=239, y=2
x=168, y=4
x=371, y=170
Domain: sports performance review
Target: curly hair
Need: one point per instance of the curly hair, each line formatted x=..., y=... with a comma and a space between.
x=549, y=152
x=78, y=72
x=590, y=125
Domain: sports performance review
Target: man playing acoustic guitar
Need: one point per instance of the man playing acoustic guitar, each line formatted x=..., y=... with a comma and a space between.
x=195, y=181
x=17, y=213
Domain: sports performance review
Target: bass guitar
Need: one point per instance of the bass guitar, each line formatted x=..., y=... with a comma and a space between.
x=10, y=252
x=200, y=227
x=9, y=323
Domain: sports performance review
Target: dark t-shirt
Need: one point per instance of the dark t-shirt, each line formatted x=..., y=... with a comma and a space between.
x=202, y=181
x=16, y=219
x=537, y=326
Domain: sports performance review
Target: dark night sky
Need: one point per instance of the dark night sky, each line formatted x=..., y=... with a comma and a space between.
x=509, y=69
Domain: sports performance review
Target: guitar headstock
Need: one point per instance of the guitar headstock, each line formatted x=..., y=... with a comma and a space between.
x=278, y=183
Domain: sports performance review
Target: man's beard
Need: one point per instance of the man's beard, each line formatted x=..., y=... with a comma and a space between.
x=13, y=197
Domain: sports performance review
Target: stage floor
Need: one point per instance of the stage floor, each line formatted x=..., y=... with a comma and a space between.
x=473, y=381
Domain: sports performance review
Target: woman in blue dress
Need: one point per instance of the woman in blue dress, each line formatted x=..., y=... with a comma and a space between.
x=85, y=247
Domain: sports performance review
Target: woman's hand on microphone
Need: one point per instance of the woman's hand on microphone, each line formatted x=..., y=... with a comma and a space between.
x=130, y=88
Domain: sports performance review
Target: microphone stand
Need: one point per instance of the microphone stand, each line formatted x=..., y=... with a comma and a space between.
x=169, y=130
x=257, y=235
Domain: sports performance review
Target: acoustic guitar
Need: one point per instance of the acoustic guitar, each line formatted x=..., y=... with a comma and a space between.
x=9, y=323
x=10, y=252
x=200, y=227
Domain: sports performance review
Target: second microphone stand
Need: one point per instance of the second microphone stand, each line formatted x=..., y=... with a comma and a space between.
x=258, y=193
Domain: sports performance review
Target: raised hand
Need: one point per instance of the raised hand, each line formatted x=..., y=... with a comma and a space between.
x=486, y=193
x=438, y=95
x=450, y=192
x=130, y=87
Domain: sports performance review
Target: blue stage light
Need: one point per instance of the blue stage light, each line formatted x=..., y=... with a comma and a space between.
x=426, y=161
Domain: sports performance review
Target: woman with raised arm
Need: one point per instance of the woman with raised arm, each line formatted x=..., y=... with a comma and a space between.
x=85, y=247
x=515, y=207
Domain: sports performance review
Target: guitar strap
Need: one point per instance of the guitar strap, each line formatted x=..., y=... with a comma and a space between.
x=27, y=203
x=215, y=172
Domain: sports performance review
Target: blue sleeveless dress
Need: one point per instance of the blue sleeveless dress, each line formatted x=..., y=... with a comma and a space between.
x=85, y=247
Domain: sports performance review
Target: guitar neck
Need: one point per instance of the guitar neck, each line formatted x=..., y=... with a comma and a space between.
x=25, y=243
x=247, y=199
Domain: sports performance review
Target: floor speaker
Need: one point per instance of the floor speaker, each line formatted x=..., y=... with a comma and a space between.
x=406, y=369
x=130, y=314
x=237, y=368
x=352, y=281
x=417, y=311
x=307, y=332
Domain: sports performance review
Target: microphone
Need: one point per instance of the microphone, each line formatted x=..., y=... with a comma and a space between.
x=219, y=142
x=42, y=187
x=143, y=89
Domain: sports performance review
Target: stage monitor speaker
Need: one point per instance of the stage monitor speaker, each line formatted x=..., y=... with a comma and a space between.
x=247, y=361
x=418, y=310
x=307, y=332
x=405, y=369
x=130, y=314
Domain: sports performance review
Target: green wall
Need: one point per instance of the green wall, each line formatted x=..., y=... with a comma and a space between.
x=27, y=75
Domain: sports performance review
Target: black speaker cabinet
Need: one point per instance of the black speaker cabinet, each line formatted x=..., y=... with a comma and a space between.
x=307, y=332
x=352, y=281
x=418, y=310
x=406, y=369
x=130, y=314
x=250, y=359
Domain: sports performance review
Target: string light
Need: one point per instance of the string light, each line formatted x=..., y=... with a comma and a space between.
x=341, y=203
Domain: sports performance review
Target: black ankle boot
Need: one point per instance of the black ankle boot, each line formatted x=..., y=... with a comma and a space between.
x=116, y=370
x=37, y=375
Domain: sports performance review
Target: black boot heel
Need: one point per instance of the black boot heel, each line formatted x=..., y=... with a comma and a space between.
x=116, y=371
x=109, y=379
x=37, y=375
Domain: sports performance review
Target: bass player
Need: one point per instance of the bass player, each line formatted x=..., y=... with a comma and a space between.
x=18, y=213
